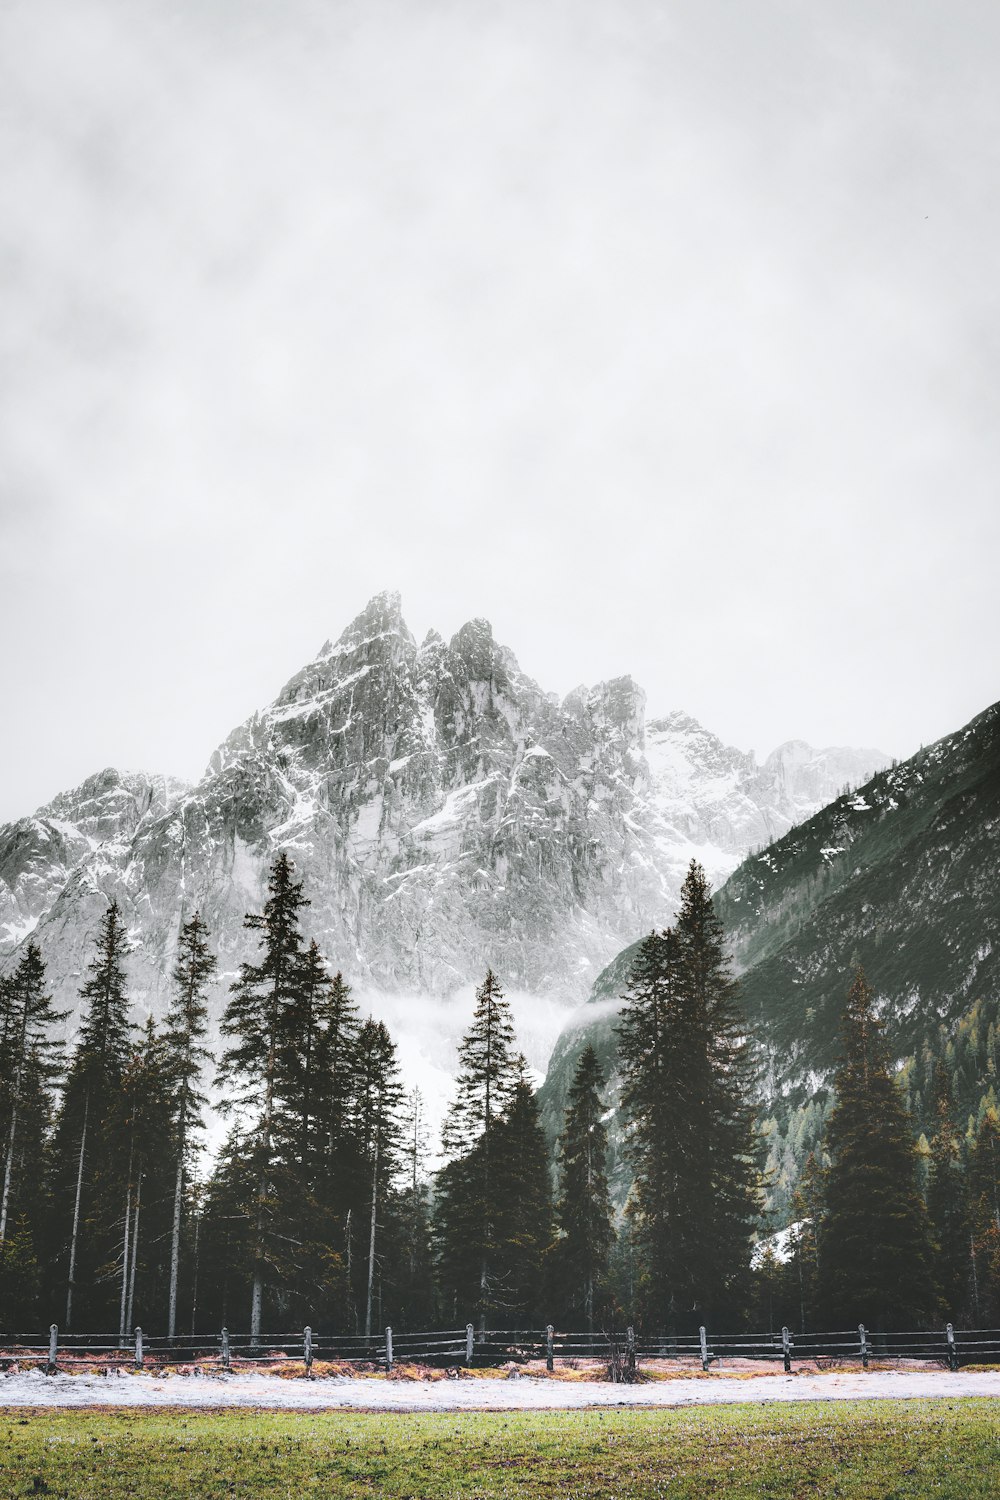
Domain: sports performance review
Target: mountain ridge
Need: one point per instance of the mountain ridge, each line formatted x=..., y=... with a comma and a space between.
x=443, y=810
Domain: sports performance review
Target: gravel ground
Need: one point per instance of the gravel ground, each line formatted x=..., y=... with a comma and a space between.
x=525, y=1394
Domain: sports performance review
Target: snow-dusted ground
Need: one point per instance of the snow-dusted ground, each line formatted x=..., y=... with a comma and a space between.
x=35, y=1389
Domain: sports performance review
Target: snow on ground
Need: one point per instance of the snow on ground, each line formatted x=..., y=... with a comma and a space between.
x=472, y=1394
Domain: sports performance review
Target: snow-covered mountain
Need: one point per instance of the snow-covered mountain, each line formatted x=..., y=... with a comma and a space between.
x=444, y=811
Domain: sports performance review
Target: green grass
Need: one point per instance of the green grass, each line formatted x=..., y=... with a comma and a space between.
x=879, y=1450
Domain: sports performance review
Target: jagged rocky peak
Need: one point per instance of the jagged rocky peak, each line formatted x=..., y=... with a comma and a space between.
x=110, y=804
x=39, y=854
x=444, y=811
x=681, y=746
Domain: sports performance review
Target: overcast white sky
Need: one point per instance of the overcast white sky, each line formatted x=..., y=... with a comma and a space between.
x=664, y=335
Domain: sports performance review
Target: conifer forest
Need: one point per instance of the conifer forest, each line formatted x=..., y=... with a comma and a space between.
x=330, y=1204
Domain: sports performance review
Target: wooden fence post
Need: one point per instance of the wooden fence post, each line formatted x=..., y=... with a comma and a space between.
x=138, y=1348
x=786, y=1349
x=224, y=1360
x=388, y=1348
x=307, y=1350
x=703, y=1336
x=550, y=1363
x=864, y=1346
x=50, y=1368
x=630, y=1350
x=469, y=1336
x=952, y=1348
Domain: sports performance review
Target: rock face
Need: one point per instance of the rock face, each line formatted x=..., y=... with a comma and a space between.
x=900, y=875
x=444, y=812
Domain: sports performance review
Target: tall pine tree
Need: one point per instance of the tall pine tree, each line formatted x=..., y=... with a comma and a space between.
x=30, y=1061
x=717, y=1270
x=379, y=1128
x=89, y=1157
x=185, y=1056
x=689, y=1121
x=653, y=1051
x=522, y=1195
x=584, y=1214
x=874, y=1249
x=257, y=1021
x=466, y=1198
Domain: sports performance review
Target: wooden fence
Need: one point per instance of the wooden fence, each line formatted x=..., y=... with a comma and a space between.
x=468, y=1347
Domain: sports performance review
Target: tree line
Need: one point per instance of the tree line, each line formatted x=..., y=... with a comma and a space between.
x=321, y=1207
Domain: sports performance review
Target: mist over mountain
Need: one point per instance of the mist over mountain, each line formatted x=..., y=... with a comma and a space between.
x=444, y=812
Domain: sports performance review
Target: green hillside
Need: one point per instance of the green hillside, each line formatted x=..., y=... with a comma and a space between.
x=901, y=875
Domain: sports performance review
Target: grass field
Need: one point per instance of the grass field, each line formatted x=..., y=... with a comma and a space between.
x=883, y=1450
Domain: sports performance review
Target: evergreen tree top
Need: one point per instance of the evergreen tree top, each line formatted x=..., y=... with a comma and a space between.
x=588, y=1077
x=105, y=1031
x=865, y=1049
x=489, y=1071
x=28, y=1017
x=264, y=996
x=379, y=1093
x=187, y=1021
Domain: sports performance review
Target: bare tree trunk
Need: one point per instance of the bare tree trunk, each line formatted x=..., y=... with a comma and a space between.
x=371, y=1244
x=175, y=1243
x=135, y=1250
x=123, y=1306
x=8, y=1168
x=122, y=1321
x=257, y=1294
x=194, y=1277
x=76, y=1219
x=256, y=1302
x=351, y=1319
x=483, y=1281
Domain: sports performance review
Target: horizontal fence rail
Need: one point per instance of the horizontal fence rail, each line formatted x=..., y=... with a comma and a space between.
x=620, y=1350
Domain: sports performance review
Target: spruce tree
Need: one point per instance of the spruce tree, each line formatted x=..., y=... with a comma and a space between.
x=947, y=1206
x=332, y=1094
x=874, y=1250
x=303, y=1030
x=652, y=1052
x=720, y=1140
x=30, y=1061
x=185, y=1056
x=379, y=1097
x=89, y=1156
x=686, y=1103
x=254, y=1066
x=584, y=1214
x=522, y=1196
x=19, y=1279
x=466, y=1208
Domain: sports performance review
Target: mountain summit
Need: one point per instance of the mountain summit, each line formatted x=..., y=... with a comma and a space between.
x=445, y=812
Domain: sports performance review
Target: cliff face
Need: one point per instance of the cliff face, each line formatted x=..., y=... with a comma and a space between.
x=444, y=812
